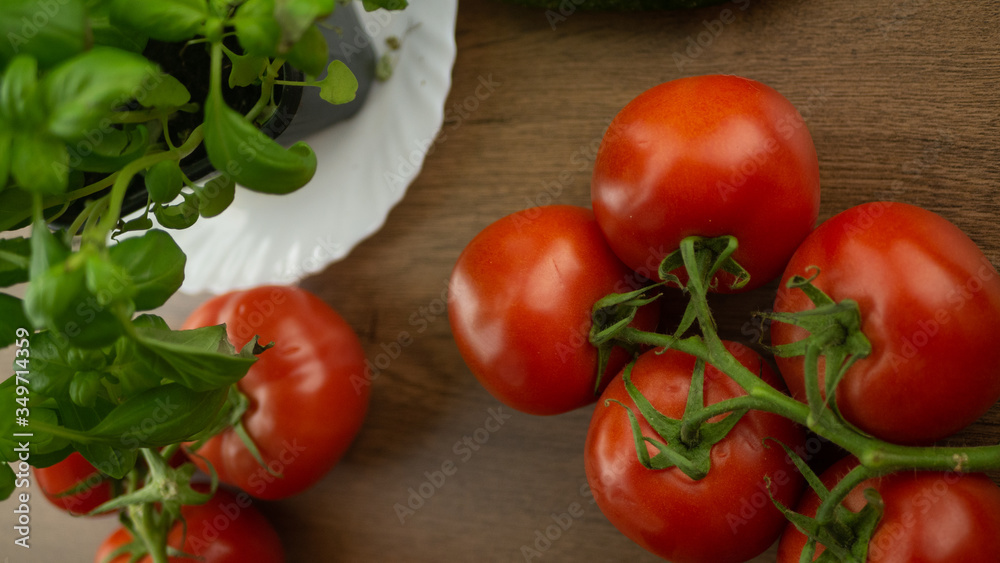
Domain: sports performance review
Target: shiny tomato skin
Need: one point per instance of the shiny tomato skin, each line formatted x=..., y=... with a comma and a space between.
x=308, y=395
x=726, y=517
x=226, y=529
x=520, y=307
x=708, y=156
x=930, y=305
x=67, y=475
x=930, y=517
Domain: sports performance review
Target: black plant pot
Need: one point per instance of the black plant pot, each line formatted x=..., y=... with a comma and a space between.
x=300, y=111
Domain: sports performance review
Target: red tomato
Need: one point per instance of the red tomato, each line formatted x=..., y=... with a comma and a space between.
x=226, y=529
x=726, y=516
x=307, y=395
x=520, y=307
x=930, y=305
x=930, y=517
x=68, y=474
x=707, y=156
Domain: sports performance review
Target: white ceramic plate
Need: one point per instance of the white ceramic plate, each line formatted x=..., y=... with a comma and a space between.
x=365, y=166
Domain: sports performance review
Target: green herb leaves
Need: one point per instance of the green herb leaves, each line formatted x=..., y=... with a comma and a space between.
x=241, y=150
x=154, y=265
x=85, y=89
x=166, y=20
x=254, y=160
x=72, y=102
x=340, y=85
x=48, y=32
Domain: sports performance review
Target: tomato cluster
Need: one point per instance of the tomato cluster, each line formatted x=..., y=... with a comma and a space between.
x=724, y=156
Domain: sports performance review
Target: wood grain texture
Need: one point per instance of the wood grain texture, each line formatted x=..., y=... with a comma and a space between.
x=901, y=97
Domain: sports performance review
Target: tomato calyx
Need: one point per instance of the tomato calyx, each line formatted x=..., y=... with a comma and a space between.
x=152, y=503
x=610, y=316
x=685, y=443
x=702, y=258
x=231, y=416
x=163, y=485
x=834, y=334
x=844, y=534
x=712, y=255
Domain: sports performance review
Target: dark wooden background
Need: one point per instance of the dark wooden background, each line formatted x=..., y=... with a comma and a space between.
x=901, y=97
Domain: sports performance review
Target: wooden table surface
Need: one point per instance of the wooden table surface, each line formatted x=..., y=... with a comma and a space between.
x=901, y=97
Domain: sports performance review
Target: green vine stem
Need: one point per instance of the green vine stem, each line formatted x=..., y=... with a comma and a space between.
x=878, y=457
x=119, y=188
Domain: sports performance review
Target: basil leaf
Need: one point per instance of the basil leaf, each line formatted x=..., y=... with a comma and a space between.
x=113, y=150
x=46, y=296
x=85, y=387
x=131, y=368
x=143, y=223
x=58, y=299
x=48, y=31
x=12, y=273
x=12, y=317
x=17, y=93
x=340, y=85
x=296, y=17
x=39, y=162
x=216, y=195
x=41, y=442
x=166, y=20
x=107, y=34
x=257, y=30
x=246, y=69
x=255, y=161
x=164, y=181
x=110, y=459
x=158, y=417
x=15, y=209
x=311, y=53
x=154, y=264
x=200, y=359
x=178, y=216
x=82, y=91
x=166, y=92
x=51, y=369
x=107, y=281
